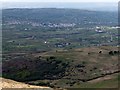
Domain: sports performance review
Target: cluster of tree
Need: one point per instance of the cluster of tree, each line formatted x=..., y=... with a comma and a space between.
x=114, y=52
x=22, y=69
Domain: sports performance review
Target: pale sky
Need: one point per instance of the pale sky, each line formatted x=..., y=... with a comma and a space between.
x=111, y=5
x=59, y=0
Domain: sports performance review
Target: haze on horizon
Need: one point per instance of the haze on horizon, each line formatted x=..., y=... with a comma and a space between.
x=101, y=5
x=97, y=6
x=60, y=1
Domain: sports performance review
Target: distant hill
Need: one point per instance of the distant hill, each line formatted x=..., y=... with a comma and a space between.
x=54, y=15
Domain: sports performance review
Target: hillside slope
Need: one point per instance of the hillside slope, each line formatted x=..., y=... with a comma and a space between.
x=7, y=83
x=62, y=68
x=54, y=15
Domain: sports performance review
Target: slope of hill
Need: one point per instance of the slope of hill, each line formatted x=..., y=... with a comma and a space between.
x=62, y=68
x=7, y=83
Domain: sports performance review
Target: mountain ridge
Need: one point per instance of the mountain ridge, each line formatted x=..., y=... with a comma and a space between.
x=54, y=15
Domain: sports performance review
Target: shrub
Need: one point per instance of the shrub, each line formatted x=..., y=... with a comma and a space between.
x=111, y=53
x=100, y=51
x=52, y=57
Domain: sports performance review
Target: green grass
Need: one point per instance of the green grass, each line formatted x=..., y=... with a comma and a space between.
x=112, y=83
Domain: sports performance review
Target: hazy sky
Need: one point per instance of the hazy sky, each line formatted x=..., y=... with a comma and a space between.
x=106, y=5
x=59, y=0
